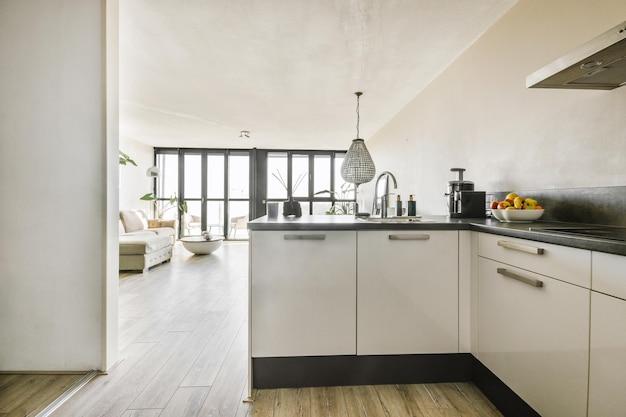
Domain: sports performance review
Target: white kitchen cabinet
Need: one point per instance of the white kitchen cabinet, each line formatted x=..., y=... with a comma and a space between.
x=533, y=330
x=607, y=359
x=407, y=292
x=302, y=293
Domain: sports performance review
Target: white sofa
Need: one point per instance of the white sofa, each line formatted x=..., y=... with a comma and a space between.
x=144, y=243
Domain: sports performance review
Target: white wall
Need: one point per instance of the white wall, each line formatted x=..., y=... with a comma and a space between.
x=53, y=180
x=478, y=114
x=133, y=180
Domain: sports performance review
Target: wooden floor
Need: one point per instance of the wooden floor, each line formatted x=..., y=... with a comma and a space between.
x=28, y=394
x=424, y=400
x=183, y=353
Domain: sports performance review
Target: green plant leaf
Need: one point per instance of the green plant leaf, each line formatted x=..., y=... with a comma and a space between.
x=326, y=191
x=125, y=159
x=148, y=197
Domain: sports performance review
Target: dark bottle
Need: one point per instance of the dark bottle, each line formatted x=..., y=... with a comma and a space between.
x=398, y=206
x=410, y=206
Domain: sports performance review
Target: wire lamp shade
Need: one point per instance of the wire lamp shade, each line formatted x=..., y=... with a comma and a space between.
x=358, y=166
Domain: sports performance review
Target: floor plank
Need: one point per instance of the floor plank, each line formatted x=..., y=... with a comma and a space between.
x=392, y=400
x=164, y=384
x=186, y=402
x=328, y=402
x=264, y=402
x=26, y=394
x=226, y=393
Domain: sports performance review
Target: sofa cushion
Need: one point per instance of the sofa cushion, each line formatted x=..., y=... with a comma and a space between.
x=166, y=231
x=132, y=221
x=145, y=232
x=142, y=244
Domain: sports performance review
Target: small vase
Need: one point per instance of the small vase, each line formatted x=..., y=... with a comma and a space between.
x=292, y=208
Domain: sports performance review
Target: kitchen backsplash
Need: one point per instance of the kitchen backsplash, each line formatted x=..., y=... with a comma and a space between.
x=594, y=205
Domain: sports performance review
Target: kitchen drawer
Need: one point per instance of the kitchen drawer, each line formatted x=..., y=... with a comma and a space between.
x=609, y=274
x=566, y=264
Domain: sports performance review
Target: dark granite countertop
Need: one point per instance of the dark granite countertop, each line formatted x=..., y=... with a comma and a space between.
x=519, y=230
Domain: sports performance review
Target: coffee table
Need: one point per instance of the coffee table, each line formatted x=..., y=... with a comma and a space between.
x=200, y=246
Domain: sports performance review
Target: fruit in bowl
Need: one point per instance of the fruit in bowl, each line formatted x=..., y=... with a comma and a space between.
x=515, y=208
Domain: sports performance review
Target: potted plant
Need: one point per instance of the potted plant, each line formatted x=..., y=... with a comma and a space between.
x=171, y=203
x=339, y=207
x=290, y=207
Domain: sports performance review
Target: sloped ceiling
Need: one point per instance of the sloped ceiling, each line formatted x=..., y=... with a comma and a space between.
x=194, y=73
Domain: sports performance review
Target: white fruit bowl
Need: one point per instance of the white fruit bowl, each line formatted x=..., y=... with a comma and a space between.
x=497, y=213
x=522, y=216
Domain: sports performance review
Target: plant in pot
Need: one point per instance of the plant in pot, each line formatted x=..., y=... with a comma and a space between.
x=342, y=206
x=290, y=207
x=169, y=204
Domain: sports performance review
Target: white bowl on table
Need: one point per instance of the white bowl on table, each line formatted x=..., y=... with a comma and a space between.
x=198, y=245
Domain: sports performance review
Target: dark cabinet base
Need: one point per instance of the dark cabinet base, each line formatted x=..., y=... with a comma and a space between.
x=316, y=371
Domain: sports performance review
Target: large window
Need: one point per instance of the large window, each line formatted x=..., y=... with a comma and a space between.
x=213, y=185
x=310, y=177
x=223, y=189
x=167, y=186
x=238, y=194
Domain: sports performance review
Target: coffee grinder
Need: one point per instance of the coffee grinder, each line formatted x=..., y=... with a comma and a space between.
x=463, y=201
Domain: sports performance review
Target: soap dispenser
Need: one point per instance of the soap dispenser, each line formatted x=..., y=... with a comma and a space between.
x=399, y=206
x=410, y=210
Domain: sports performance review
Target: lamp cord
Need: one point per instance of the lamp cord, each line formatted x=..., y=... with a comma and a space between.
x=358, y=116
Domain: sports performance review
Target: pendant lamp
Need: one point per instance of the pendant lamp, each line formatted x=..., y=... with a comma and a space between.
x=358, y=166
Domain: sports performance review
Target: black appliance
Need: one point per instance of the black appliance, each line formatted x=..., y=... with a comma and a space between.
x=463, y=201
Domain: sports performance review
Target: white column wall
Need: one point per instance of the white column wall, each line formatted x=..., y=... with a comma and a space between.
x=53, y=183
x=134, y=183
x=111, y=284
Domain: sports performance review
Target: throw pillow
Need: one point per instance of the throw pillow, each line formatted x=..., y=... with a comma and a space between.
x=154, y=223
x=132, y=221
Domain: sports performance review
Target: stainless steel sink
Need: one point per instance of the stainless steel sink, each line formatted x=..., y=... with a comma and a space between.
x=394, y=220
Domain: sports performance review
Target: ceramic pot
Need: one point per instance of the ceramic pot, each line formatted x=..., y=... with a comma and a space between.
x=292, y=208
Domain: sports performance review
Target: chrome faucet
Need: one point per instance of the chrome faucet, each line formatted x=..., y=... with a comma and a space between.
x=384, y=199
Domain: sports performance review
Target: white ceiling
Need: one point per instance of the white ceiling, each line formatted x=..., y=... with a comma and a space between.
x=194, y=73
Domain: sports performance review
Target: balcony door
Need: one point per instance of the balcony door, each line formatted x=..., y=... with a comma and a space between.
x=215, y=186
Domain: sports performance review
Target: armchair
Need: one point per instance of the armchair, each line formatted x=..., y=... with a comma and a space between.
x=238, y=223
x=190, y=222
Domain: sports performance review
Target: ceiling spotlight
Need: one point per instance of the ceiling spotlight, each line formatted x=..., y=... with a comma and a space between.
x=244, y=134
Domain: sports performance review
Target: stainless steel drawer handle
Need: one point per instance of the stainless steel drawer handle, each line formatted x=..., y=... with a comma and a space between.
x=522, y=248
x=305, y=237
x=530, y=281
x=409, y=237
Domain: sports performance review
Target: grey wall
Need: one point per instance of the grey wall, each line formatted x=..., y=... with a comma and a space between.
x=478, y=114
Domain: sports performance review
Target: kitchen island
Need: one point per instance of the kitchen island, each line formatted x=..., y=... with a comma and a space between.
x=336, y=300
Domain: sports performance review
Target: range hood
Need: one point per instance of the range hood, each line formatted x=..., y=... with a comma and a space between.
x=600, y=64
